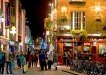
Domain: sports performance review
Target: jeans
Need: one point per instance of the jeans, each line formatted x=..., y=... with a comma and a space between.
x=50, y=64
x=1, y=67
x=43, y=64
x=9, y=67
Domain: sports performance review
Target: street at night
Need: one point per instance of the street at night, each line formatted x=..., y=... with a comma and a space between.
x=53, y=37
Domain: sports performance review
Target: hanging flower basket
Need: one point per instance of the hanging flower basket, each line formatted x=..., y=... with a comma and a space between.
x=79, y=33
x=62, y=20
x=49, y=24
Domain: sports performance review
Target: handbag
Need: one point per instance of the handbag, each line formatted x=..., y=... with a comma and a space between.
x=25, y=68
x=55, y=64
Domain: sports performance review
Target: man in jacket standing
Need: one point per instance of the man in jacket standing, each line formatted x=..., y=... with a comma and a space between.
x=42, y=59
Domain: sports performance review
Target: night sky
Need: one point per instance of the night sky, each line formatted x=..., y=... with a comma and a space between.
x=36, y=11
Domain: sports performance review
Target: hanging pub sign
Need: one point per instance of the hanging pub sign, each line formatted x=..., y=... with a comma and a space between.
x=7, y=14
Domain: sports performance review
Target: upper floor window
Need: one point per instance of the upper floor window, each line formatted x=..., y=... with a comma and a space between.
x=77, y=20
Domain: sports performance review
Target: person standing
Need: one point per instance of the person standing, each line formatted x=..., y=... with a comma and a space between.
x=42, y=59
x=35, y=59
x=55, y=60
x=50, y=59
x=31, y=59
x=18, y=60
x=9, y=59
x=2, y=61
x=23, y=62
x=68, y=58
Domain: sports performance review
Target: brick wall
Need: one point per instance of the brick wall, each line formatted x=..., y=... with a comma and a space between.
x=92, y=26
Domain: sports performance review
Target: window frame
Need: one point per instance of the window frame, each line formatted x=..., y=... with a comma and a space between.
x=78, y=20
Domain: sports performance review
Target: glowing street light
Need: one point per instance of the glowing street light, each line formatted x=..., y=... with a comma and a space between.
x=13, y=30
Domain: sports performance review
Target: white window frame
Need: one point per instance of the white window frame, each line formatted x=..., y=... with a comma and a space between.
x=77, y=20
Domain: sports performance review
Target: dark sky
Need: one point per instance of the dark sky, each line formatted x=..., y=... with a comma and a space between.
x=36, y=11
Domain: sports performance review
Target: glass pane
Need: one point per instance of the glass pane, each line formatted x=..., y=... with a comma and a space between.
x=78, y=16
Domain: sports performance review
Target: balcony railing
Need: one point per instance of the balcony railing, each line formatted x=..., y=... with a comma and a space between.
x=77, y=1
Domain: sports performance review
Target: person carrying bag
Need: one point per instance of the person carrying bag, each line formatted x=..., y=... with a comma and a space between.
x=55, y=60
x=23, y=63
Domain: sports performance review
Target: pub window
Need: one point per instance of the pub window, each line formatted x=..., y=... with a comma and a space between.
x=77, y=20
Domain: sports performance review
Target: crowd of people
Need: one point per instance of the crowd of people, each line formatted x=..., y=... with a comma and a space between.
x=31, y=58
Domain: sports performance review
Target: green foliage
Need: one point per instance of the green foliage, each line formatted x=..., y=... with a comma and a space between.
x=62, y=20
x=1, y=12
x=48, y=24
x=79, y=33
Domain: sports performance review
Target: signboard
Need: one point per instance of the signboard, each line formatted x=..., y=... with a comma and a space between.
x=7, y=14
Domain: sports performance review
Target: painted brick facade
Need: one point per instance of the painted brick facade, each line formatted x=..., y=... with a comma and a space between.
x=92, y=26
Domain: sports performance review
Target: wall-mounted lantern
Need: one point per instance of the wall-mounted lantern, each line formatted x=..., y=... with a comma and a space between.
x=98, y=8
x=63, y=9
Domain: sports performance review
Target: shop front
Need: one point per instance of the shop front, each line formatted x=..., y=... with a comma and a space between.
x=93, y=48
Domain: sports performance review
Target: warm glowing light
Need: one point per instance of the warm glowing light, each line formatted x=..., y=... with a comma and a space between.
x=11, y=42
x=47, y=33
x=67, y=27
x=20, y=43
x=50, y=15
x=94, y=34
x=50, y=4
x=13, y=30
x=98, y=8
x=63, y=9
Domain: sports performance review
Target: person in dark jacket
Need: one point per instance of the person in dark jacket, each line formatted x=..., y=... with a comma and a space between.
x=9, y=60
x=18, y=60
x=2, y=62
x=42, y=59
